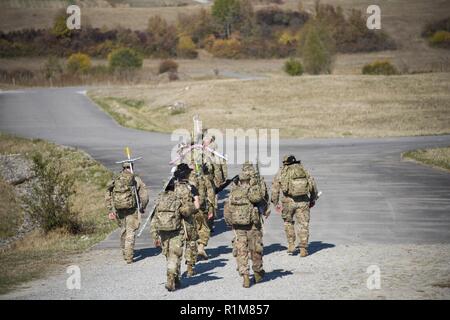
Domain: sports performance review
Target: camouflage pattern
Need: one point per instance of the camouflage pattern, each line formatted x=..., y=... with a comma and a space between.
x=294, y=209
x=173, y=242
x=256, y=179
x=129, y=219
x=183, y=192
x=247, y=243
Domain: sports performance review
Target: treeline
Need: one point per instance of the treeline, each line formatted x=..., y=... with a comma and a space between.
x=231, y=29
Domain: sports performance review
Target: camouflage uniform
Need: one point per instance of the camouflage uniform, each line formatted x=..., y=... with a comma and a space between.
x=183, y=192
x=247, y=243
x=128, y=219
x=207, y=198
x=172, y=242
x=298, y=207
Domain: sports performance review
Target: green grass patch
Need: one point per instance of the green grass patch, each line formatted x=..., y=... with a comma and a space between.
x=35, y=254
x=436, y=157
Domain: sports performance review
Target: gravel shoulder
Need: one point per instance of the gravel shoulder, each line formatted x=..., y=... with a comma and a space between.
x=340, y=272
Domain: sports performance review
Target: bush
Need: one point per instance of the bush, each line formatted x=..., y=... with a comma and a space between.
x=431, y=28
x=380, y=68
x=226, y=48
x=79, y=63
x=125, y=59
x=186, y=47
x=317, y=49
x=49, y=201
x=168, y=66
x=440, y=39
x=293, y=67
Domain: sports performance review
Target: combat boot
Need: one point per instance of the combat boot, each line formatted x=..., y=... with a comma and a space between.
x=246, y=283
x=190, y=270
x=177, y=282
x=170, y=285
x=259, y=276
x=303, y=252
x=291, y=248
x=201, y=251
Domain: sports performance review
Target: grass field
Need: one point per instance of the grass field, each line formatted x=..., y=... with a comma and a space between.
x=307, y=106
x=35, y=254
x=437, y=157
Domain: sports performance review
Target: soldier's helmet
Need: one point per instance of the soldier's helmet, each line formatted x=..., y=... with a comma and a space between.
x=244, y=176
x=247, y=165
x=289, y=159
x=182, y=171
x=126, y=165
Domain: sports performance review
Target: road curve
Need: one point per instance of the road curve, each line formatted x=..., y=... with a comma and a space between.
x=370, y=196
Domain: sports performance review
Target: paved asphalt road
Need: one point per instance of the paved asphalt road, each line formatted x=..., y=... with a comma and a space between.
x=369, y=196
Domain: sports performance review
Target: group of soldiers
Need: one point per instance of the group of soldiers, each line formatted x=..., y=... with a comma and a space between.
x=184, y=212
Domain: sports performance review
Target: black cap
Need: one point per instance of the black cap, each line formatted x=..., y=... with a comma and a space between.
x=290, y=160
x=182, y=171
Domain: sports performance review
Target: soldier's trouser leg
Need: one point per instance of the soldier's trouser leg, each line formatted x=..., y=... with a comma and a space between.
x=288, y=217
x=129, y=224
x=190, y=254
x=302, y=216
x=172, y=246
x=242, y=251
x=203, y=229
x=256, y=248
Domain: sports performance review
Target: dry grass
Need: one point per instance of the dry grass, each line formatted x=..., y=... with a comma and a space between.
x=10, y=214
x=437, y=157
x=37, y=253
x=308, y=106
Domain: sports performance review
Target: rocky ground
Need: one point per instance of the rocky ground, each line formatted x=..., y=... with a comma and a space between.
x=16, y=170
x=338, y=272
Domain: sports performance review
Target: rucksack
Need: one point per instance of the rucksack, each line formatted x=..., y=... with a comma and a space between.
x=167, y=216
x=241, y=207
x=122, y=193
x=294, y=181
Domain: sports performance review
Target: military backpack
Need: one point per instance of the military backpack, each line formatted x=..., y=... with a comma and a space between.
x=167, y=216
x=294, y=181
x=122, y=192
x=241, y=207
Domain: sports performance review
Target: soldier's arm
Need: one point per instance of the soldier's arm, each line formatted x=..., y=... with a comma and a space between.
x=312, y=185
x=153, y=232
x=227, y=212
x=108, y=196
x=143, y=192
x=211, y=195
x=275, y=197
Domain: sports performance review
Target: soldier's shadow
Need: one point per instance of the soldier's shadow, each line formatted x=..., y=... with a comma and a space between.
x=274, y=274
x=215, y=252
x=199, y=278
x=316, y=246
x=209, y=265
x=219, y=224
x=141, y=254
x=274, y=247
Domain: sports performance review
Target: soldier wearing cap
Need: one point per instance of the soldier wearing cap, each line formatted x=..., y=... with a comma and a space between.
x=122, y=206
x=298, y=194
x=242, y=214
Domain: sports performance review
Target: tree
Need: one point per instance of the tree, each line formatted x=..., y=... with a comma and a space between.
x=60, y=29
x=227, y=13
x=186, y=47
x=79, y=63
x=317, y=49
x=124, y=59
